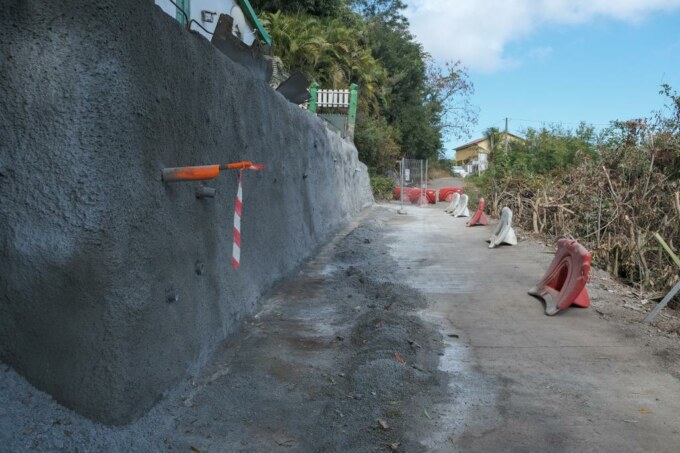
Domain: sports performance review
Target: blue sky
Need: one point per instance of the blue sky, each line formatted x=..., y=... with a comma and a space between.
x=556, y=60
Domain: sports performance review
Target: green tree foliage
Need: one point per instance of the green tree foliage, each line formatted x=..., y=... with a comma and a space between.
x=382, y=186
x=328, y=51
x=377, y=143
x=385, y=11
x=542, y=151
x=426, y=101
x=407, y=103
x=312, y=7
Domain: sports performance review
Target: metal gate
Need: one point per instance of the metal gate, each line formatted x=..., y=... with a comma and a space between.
x=413, y=181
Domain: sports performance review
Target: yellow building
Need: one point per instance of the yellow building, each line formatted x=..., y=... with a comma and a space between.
x=477, y=151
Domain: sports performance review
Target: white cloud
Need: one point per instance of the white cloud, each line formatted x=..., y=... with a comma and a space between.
x=478, y=31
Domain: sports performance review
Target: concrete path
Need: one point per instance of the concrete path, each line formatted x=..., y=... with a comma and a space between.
x=445, y=182
x=403, y=333
x=522, y=381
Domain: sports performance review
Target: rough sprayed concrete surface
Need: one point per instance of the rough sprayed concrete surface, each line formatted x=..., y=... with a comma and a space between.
x=95, y=98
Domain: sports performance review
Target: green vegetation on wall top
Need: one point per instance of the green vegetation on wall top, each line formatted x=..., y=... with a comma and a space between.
x=407, y=103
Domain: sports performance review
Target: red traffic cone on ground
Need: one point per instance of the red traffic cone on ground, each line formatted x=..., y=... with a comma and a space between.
x=479, y=218
x=565, y=282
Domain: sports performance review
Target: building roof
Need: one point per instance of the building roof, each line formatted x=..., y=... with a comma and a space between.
x=480, y=140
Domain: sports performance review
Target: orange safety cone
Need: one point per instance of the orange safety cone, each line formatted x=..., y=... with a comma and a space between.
x=479, y=218
x=565, y=282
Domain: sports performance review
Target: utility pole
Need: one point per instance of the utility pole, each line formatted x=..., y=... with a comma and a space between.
x=506, y=135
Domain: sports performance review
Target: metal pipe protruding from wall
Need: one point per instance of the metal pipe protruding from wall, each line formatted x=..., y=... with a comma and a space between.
x=205, y=192
x=199, y=173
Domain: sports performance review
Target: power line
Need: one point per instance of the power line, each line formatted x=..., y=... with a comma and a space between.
x=558, y=122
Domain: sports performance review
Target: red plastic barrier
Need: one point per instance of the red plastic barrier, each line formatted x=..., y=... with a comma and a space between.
x=446, y=193
x=431, y=196
x=397, y=193
x=565, y=282
x=413, y=194
x=479, y=218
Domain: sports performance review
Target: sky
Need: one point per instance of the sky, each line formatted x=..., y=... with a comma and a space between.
x=540, y=62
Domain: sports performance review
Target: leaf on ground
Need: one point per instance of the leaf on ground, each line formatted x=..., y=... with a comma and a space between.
x=645, y=410
x=383, y=424
x=394, y=446
x=426, y=414
x=630, y=421
x=399, y=359
x=195, y=450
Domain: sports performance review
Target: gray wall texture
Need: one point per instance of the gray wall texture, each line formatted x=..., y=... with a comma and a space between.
x=96, y=97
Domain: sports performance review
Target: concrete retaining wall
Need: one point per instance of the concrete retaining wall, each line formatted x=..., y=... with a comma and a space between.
x=96, y=97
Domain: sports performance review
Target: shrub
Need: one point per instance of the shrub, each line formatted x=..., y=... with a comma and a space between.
x=383, y=187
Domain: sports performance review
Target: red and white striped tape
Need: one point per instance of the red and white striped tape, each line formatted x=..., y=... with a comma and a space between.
x=238, y=209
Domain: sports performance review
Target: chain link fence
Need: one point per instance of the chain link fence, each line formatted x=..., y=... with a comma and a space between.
x=413, y=176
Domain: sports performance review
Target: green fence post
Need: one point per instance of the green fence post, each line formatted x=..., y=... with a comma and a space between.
x=352, y=114
x=313, y=88
x=183, y=5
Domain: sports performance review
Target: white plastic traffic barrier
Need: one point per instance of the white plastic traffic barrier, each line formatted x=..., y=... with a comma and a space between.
x=454, y=202
x=462, y=208
x=504, y=234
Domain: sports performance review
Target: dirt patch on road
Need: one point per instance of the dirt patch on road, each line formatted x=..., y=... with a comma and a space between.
x=343, y=366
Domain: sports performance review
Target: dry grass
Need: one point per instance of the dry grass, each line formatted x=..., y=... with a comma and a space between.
x=612, y=204
x=436, y=173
